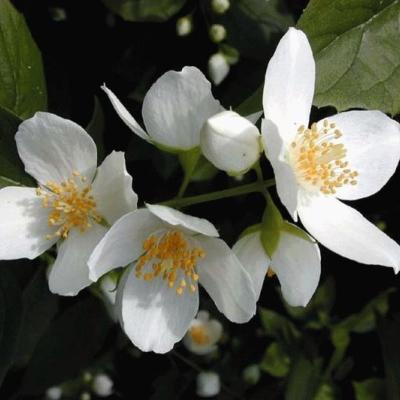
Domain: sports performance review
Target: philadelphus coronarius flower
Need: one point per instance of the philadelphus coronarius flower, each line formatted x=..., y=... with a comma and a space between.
x=231, y=142
x=72, y=205
x=348, y=156
x=174, y=109
x=203, y=334
x=157, y=297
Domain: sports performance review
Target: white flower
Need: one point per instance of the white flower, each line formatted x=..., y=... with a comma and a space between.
x=208, y=384
x=230, y=142
x=296, y=261
x=174, y=109
x=203, y=334
x=348, y=156
x=218, y=68
x=73, y=200
x=157, y=298
x=102, y=385
x=54, y=393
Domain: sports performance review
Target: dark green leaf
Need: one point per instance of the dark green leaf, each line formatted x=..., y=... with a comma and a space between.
x=251, y=104
x=276, y=360
x=22, y=83
x=69, y=345
x=370, y=389
x=355, y=45
x=145, y=10
x=10, y=319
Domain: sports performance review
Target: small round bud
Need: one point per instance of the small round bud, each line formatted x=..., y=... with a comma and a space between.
x=207, y=384
x=251, y=374
x=184, y=26
x=87, y=377
x=58, y=14
x=86, y=396
x=230, y=142
x=102, y=385
x=217, y=33
x=54, y=393
x=218, y=68
x=220, y=6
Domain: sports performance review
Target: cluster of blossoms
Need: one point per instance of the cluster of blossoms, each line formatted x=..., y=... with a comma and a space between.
x=91, y=212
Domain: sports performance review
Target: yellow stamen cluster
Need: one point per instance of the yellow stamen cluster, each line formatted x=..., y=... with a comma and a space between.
x=71, y=204
x=319, y=160
x=172, y=259
x=270, y=273
x=199, y=335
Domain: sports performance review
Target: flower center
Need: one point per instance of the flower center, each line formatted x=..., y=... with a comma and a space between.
x=319, y=160
x=71, y=204
x=199, y=335
x=171, y=257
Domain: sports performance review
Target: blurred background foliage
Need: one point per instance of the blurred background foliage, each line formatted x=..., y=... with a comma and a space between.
x=55, y=54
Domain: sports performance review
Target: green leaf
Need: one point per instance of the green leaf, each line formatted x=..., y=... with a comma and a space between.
x=22, y=82
x=259, y=22
x=145, y=10
x=355, y=45
x=10, y=319
x=11, y=168
x=370, y=389
x=326, y=392
x=252, y=104
x=68, y=345
x=276, y=361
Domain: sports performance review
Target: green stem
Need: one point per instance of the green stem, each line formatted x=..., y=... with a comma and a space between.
x=188, y=160
x=260, y=178
x=220, y=194
x=184, y=185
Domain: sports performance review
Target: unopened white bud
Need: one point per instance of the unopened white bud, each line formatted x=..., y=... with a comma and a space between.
x=184, y=26
x=207, y=384
x=220, y=6
x=102, y=385
x=54, y=393
x=230, y=142
x=217, y=33
x=218, y=68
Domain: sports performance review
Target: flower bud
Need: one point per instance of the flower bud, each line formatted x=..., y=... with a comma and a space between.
x=207, y=384
x=230, y=142
x=217, y=33
x=85, y=396
x=102, y=385
x=184, y=26
x=54, y=393
x=251, y=374
x=218, y=68
x=220, y=6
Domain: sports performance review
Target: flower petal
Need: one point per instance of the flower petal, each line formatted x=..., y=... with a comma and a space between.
x=276, y=151
x=372, y=140
x=254, y=259
x=52, y=147
x=289, y=84
x=112, y=188
x=152, y=315
x=345, y=231
x=176, y=107
x=177, y=218
x=24, y=224
x=70, y=273
x=297, y=263
x=123, y=243
x=226, y=281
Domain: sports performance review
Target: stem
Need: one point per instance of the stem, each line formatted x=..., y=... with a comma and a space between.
x=260, y=179
x=220, y=194
x=184, y=185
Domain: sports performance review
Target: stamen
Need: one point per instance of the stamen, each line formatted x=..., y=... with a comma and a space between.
x=72, y=206
x=171, y=258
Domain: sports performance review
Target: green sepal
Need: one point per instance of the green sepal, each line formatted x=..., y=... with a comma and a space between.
x=296, y=231
x=189, y=159
x=271, y=227
x=251, y=229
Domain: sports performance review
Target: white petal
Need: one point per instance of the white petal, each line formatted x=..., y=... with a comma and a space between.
x=276, y=151
x=289, y=84
x=152, y=315
x=297, y=263
x=112, y=188
x=226, y=281
x=254, y=259
x=218, y=68
x=123, y=243
x=52, y=147
x=177, y=218
x=372, y=140
x=176, y=107
x=345, y=231
x=70, y=273
x=24, y=224
x=125, y=115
